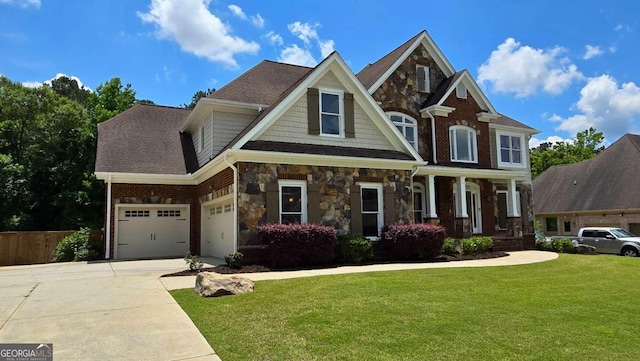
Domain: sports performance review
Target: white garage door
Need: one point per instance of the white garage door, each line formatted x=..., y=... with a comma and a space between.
x=217, y=240
x=152, y=232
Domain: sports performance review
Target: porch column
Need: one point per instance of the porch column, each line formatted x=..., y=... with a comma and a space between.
x=431, y=196
x=461, y=198
x=512, y=206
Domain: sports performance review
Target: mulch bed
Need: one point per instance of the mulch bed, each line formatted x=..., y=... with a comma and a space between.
x=258, y=268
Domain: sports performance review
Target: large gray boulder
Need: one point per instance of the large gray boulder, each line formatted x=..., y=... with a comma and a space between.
x=585, y=249
x=211, y=284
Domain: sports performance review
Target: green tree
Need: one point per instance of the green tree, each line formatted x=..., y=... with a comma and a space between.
x=199, y=94
x=587, y=144
x=70, y=89
x=110, y=99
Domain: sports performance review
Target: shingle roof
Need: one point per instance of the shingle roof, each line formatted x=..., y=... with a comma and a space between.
x=262, y=84
x=607, y=181
x=505, y=120
x=372, y=72
x=286, y=147
x=144, y=139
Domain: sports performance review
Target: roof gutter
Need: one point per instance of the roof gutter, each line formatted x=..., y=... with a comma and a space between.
x=433, y=136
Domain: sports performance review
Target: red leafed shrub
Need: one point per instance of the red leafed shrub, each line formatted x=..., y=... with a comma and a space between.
x=290, y=245
x=413, y=241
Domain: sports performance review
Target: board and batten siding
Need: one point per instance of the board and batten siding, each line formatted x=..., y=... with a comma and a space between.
x=227, y=126
x=293, y=126
x=205, y=154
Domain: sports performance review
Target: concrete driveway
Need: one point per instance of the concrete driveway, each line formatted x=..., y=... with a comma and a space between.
x=99, y=311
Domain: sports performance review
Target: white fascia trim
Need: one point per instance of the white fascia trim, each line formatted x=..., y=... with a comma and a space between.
x=486, y=117
x=144, y=178
x=321, y=160
x=511, y=129
x=426, y=40
x=206, y=105
x=472, y=86
x=471, y=173
x=438, y=110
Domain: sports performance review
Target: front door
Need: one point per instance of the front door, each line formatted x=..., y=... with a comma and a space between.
x=502, y=210
x=473, y=209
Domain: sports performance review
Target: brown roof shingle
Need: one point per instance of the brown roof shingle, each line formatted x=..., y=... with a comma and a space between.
x=144, y=139
x=606, y=182
x=262, y=84
x=505, y=120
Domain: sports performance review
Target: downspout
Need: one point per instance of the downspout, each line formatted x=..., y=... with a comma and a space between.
x=433, y=137
x=107, y=238
x=235, y=202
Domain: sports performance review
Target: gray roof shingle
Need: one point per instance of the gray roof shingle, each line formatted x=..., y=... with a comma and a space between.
x=144, y=139
x=609, y=181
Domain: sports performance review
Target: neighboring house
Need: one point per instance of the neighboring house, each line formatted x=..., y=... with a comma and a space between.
x=408, y=139
x=601, y=191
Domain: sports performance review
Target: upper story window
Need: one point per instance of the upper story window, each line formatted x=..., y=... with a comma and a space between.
x=407, y=126
x=462, y=141
x=422, y=78
x=331, y=113
x=293, y=201
x=510, y=149
x=461, y=91
x=201, y=138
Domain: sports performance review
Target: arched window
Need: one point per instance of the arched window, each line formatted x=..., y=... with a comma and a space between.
x=407, y=126
x=463, y=145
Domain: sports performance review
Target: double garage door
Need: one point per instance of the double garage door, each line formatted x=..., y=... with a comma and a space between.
x=217, y=230
x=152, y=232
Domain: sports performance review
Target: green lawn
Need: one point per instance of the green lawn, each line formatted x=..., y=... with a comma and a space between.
x=573, y=308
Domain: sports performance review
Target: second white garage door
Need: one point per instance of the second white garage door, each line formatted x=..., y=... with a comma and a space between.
x=152, y=232
x=217, y=239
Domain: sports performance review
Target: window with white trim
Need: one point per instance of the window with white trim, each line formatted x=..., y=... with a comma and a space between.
x=372, y=209
x=419, y=203
x=463, y=145
x=331, y=113
x=511, y=149
x=422, y=78
x=201, y=138
x=293, y=201
x=407, y=126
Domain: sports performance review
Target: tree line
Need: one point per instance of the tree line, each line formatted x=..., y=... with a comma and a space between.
x=48, y=149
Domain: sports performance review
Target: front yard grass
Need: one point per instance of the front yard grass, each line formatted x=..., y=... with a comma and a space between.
x=573, y=308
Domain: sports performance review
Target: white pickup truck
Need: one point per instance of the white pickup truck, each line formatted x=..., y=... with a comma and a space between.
x=609, y=240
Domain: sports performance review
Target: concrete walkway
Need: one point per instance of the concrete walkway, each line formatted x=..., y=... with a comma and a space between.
x=514, y=258
x=99, y=311
x=122, y=310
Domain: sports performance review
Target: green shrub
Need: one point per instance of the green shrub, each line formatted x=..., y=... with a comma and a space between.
x=194, y=262
x=543, y=245
x=562, y=245
x=292, y=245
x=233, y=260
x=353, y=249
x=449, y=246
x=77, y=247
x=476, y=245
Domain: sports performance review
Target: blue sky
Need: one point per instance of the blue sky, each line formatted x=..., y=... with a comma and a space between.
x=558, y=66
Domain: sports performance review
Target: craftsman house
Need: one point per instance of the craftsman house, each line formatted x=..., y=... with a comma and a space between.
x=602, y=191
x=408, y=139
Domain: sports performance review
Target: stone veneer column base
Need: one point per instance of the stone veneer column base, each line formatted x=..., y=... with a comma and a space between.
x=514, y=227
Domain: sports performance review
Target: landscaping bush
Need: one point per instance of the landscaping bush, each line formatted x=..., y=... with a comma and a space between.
x=290, y=245
x=194, y=262
x=559, y=245
x=449, y=246
x=413, y=241
x=233, y=260
x=353, y=249
x=77, y=247
x=476, y=245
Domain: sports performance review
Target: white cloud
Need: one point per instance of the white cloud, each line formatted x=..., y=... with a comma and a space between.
x=22, y=3
x=304, y=31
x=295, y=55
x=257, y=21
x=613, y=49
x=522, y=70
x=326, y=47
x=553, y=139
x=32, y=84
x=237, y=11
x=190, y=24
x=274, y=38
x=605, y=105
x=591, y=51
x=72, y=77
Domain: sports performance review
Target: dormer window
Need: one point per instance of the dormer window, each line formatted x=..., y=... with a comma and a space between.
x=461, y=91
x=422, y=78
x=463, y=145
x=407, y=126
x=331, y=120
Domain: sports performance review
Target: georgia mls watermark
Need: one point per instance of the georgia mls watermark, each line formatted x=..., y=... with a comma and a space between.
x=26, y=351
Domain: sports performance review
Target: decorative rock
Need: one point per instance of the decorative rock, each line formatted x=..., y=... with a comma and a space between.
x=211, y=284
x=585, y=249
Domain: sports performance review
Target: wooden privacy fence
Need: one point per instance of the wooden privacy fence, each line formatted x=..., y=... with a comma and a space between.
x=18, y=248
